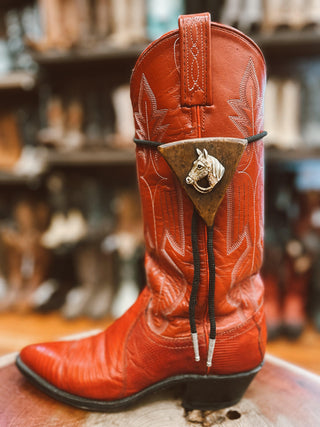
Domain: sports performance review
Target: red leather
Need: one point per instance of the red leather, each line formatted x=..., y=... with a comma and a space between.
x=195, y=59
x=152, y=340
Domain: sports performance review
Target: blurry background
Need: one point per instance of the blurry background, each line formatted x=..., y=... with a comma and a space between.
x=71, y=244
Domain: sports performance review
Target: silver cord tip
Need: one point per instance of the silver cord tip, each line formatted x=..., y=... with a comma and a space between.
x=195, y=346
x=212, y=343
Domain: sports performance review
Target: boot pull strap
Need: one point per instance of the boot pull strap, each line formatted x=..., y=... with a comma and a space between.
x=195, y=59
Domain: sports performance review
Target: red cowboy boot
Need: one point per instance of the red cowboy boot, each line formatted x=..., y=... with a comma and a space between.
x=200, y=320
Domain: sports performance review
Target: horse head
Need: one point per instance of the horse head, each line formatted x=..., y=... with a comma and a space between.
x=205, y=167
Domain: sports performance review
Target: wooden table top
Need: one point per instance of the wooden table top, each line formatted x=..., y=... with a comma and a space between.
x=281, y=395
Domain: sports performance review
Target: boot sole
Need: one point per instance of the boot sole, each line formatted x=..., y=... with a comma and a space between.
x=203, y=392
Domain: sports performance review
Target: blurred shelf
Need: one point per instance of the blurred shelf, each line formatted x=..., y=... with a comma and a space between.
x=96, y=53
x=281, y=42
x=77, y=158
x=277, y=155
x=10, y=4
x=18, y=80
x=90, y=157
x=11, y=178
x=289, y=42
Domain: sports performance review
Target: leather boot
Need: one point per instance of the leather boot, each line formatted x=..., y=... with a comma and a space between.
x=272, y=112
x=251, y=16
x=272, y=306
x=199, y=321
x=290, y=117
x=298, y=272
x=231, y=11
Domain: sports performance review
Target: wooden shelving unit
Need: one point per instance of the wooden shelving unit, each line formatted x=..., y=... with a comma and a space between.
x=11, y=178
x=277, y=155
x=18, y=80
x=96, y=53
x=95, y=157
x=92, y=157
x=288, y=42
x=284, y=43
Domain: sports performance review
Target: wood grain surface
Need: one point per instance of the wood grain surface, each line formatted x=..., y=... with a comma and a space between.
x=281, y=395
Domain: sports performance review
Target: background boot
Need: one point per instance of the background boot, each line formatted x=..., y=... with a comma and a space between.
x=199, y=321
x=298, y=274
x=272, y=112
x=290, y=135
x=272, y=306
x=251, y=16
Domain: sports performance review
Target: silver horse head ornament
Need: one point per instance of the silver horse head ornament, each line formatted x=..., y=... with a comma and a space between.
x=205, y=167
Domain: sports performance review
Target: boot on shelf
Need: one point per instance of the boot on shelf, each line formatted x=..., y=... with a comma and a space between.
x=272, y=306
x=28, y=262
x=161, y=16
x=53, y=24
x=311, y=105
x=10, y=142
x=199, y=321
x=272, y=116
x=297, y=277
x=284, y=14
x=86, y=26
x=284, y=122
x=294, y=314
x=271, y=274
x=312, y=14
x=231, y=12
x=94, y=296
x=251, y=16
x=120, y=33
x=74, y=138
x=124, y=124
x=315, y=306
x=297, y=17
x=290, y=117
x=102, y=19
x=53, y=133
x=137, y=21
x=125, y=242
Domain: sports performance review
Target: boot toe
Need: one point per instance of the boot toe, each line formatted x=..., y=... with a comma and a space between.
x=44, y=360
x=76, y=367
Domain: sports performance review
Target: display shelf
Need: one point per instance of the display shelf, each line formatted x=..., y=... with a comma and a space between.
x=76, y=158
x=9, y=4
x=96, y=53
x=289, y=42
x=107, y=156
x=281, y=42
x=11, y=178
x=18, y=80
x=90, y=157
x=273, y=154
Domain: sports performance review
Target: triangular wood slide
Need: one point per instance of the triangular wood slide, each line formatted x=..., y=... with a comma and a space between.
x=184, y=157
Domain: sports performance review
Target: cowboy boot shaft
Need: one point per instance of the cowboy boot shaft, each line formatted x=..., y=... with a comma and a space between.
x=201, y=81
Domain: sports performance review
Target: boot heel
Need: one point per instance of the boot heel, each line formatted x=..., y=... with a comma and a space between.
x=214, y=392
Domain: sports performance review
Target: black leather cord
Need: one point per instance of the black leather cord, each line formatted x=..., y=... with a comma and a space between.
x=156, y=144
x=256, y=137
x=147, y=143
x=196, y=274
x=212, y=282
